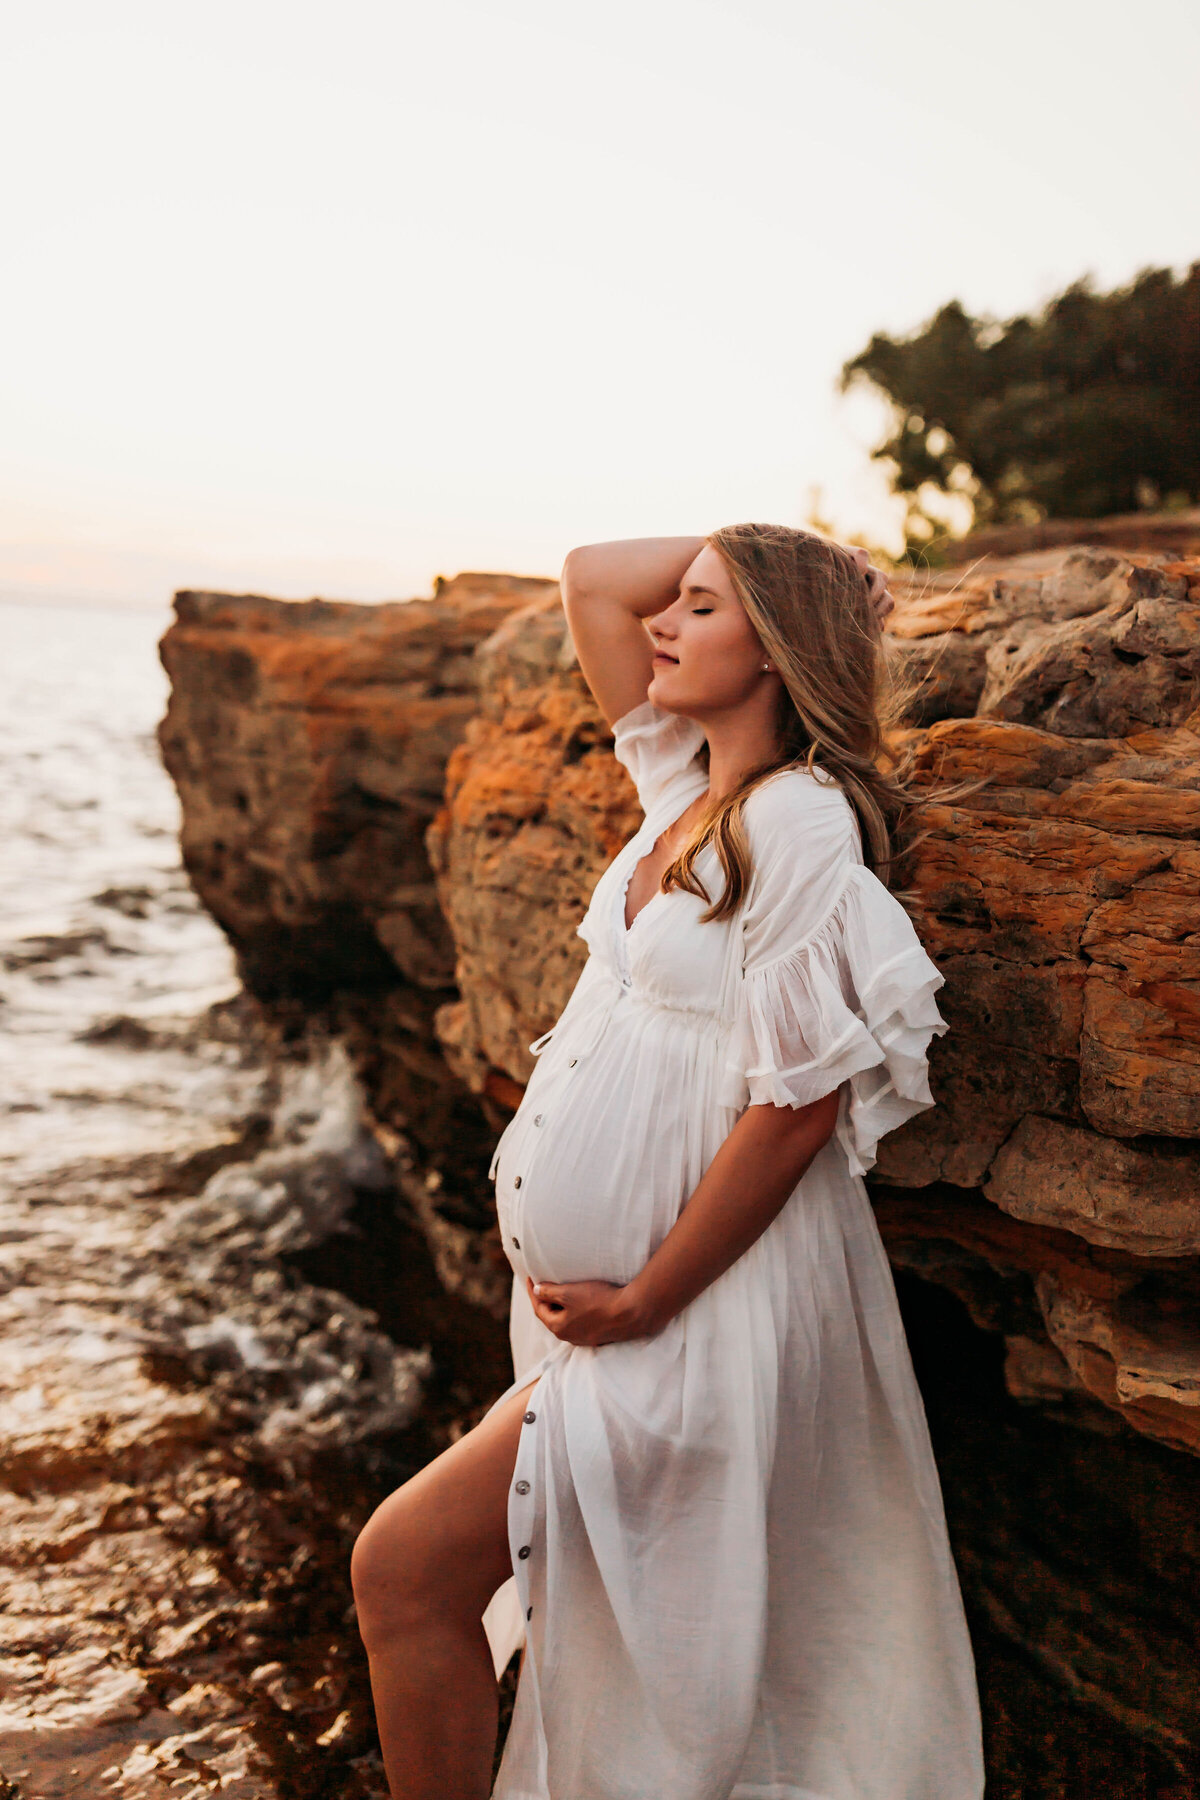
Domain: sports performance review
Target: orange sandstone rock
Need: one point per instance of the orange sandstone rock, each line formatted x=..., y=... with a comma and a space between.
x=308, y=742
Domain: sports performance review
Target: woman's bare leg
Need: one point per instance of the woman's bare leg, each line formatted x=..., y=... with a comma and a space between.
x=424, y=1568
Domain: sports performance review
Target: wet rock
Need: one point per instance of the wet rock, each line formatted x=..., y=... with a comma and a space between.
x=31, y=952
x=118, y=1028
x=135, y=902
x=463, y=1238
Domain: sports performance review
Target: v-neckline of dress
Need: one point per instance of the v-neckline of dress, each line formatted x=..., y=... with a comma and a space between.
x=636, y=864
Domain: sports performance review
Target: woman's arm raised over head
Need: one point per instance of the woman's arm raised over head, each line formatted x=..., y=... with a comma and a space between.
x=607, y=590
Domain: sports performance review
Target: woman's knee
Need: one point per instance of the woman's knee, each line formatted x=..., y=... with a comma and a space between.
x=389, y=1571
x=438, y=1547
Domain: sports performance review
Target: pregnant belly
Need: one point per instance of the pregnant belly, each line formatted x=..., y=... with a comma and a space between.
x=586, y=1231
x=588, y=1188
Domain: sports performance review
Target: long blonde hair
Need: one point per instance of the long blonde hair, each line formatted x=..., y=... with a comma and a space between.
x=809, y=603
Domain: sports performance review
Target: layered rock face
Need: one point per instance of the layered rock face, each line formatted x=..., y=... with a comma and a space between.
x=308, y=743
x=1059, y=900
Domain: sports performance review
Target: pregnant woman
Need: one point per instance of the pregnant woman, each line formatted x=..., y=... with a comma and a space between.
x=707, y=1504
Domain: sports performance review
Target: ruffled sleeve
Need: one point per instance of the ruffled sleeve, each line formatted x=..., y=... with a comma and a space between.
x=836, y=985
x=657, y=748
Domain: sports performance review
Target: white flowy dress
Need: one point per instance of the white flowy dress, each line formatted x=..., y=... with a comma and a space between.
x=730, y=1561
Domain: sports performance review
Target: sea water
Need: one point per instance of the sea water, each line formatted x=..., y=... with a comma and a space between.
x=102, y=941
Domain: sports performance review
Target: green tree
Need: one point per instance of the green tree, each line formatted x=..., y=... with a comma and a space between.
x=1091, y=407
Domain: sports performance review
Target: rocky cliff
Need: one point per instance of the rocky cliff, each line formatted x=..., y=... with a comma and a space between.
x=1059, y=902
x=399, y=812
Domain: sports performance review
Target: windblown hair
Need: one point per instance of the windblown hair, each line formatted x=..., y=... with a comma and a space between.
x=809, y=603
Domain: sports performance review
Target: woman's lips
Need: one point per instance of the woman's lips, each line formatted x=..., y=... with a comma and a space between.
x=660, y=656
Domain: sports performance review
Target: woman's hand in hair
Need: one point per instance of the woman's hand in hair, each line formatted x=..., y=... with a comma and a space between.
x=587, y=1312
x=881, y=596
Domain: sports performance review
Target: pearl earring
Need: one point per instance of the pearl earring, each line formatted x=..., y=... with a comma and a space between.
x=766, y=668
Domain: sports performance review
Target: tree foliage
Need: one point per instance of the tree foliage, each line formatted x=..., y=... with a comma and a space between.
x=1091, y=407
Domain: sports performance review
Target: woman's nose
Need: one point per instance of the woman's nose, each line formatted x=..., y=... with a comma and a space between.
x=660, y=626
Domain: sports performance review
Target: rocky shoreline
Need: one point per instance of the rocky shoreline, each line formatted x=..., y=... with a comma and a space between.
x=197, y=1420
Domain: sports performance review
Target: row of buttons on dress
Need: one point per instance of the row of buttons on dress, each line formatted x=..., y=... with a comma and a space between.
x=537, y=1047
x=626, y=984
x=537, y=1119
x=522, y=1487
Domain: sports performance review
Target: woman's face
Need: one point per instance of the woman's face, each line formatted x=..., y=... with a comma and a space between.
x=708, y=657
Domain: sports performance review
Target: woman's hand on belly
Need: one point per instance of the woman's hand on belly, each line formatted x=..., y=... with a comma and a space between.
x=587, y=1312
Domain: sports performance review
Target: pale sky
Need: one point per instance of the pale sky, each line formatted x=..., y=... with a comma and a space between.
x=332, y=298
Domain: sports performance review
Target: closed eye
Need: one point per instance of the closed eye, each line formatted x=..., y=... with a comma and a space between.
x=702, y=609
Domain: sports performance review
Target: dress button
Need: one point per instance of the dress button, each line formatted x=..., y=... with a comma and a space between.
x=522, y=1487
x=516, y=1243
x=516, y=1181
x=523, y=1552
x=572, y=1062
x=529, y=1418
x=537, y=1118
